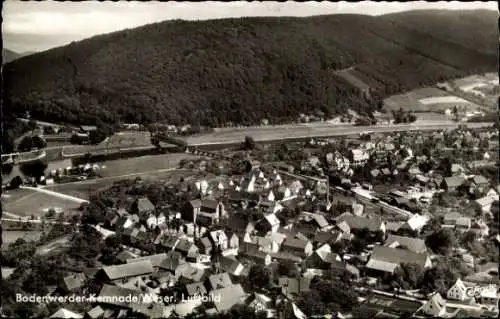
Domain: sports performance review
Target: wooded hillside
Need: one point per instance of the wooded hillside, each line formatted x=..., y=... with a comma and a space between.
x=244, y=70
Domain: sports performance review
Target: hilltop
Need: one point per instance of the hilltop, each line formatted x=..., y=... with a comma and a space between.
x=9, y=55
x=243, y=70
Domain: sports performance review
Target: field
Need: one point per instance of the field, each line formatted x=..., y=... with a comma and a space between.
x=142, y=164
x=429, y=100
x=120, y=140
x=302, y=131
x=84, y=189
x=480, y=89
x=34, y=203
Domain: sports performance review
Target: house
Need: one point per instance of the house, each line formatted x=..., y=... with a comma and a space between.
x=187, y=273
x=187, y=248
x=322, y=258
x=415, y=245
x=357, y=223
x=196, y=289
x=480, y=229
x=483, y=205
x=126, y=271
x=359, y=157
x=231, y=266
x=251, y=165
x=205, y=246
x=265, y=244
x=300, y=247
x=142, y=207
x=219, y=281
x=63, y=313
x=234, y=241
x=270, y=223
x=73, y=282
x=457, y=169
x=155, y=260
x=172, y=262
x=203, y=212
x=291, y=287
x=435, y=306
x=257, y=256
x=227, y=297
x=479, y=181
x=457, y=221
x=386, y=259
x=156, y=220
x=327, y=237
x=458, y=291
x=451, y=184
x=341, y=267
x=219, y=239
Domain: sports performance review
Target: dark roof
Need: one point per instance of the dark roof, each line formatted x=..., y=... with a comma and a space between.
x=129, y=270
x=295, y=243
x=219, y=281
x=357, y=222
x=155, y=260
x=415, y=245
x=209, y=203
x=185, y=246
x=74, y=281
x=173, y=260
x=196, y=288
x=144, y=205
x=396, y=256
x=195, y=203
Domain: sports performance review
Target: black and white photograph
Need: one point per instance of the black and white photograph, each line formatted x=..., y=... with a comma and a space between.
x=249, y=159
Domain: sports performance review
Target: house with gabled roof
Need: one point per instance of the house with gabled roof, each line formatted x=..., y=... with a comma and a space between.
x=142, y=206
x=435, y=306
x=386, y=259
x=415, y=245
x=196, y=289
x=172, y=261
x=219, y=281
x=358, y=223
x=270, y=223
x=458, y=291
x=322, y=258
x=219, y=238
x=73, y=282
x=291, y=287
x=126, y=271
x=231, y=265
x=451, y=184
x=187, y=248
x=155, y=259
x=299, y=247
x=228, y=297
x=483, y=204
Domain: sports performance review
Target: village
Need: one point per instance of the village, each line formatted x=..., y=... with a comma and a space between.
x=374, y=225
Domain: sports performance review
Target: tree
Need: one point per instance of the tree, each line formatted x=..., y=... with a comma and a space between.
x=441, y=241
x=249, y=143
x=408, y=276
x=16, y=182
x=259, y=276
x=35, y=169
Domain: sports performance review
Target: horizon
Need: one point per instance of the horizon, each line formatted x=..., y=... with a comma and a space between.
x=39, y=26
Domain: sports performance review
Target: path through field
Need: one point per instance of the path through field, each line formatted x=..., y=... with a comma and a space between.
x=56, y=194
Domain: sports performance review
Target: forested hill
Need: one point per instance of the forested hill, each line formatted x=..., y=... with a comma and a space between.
x=243, y=70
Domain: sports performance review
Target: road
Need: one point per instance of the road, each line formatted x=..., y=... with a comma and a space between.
x=56, y=194
x=111, y=178
x=298, y=131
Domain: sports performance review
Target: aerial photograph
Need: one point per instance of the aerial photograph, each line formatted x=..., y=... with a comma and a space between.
x=247, y=159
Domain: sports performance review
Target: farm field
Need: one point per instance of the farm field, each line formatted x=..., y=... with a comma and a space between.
x=116, y=141
x=143, y=164
x=84, y=189
x=429, y=100
x=37, y=204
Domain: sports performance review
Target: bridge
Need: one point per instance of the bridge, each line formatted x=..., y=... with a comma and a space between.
x=23, y=158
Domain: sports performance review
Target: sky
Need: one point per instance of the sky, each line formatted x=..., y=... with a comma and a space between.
x=37, y=26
